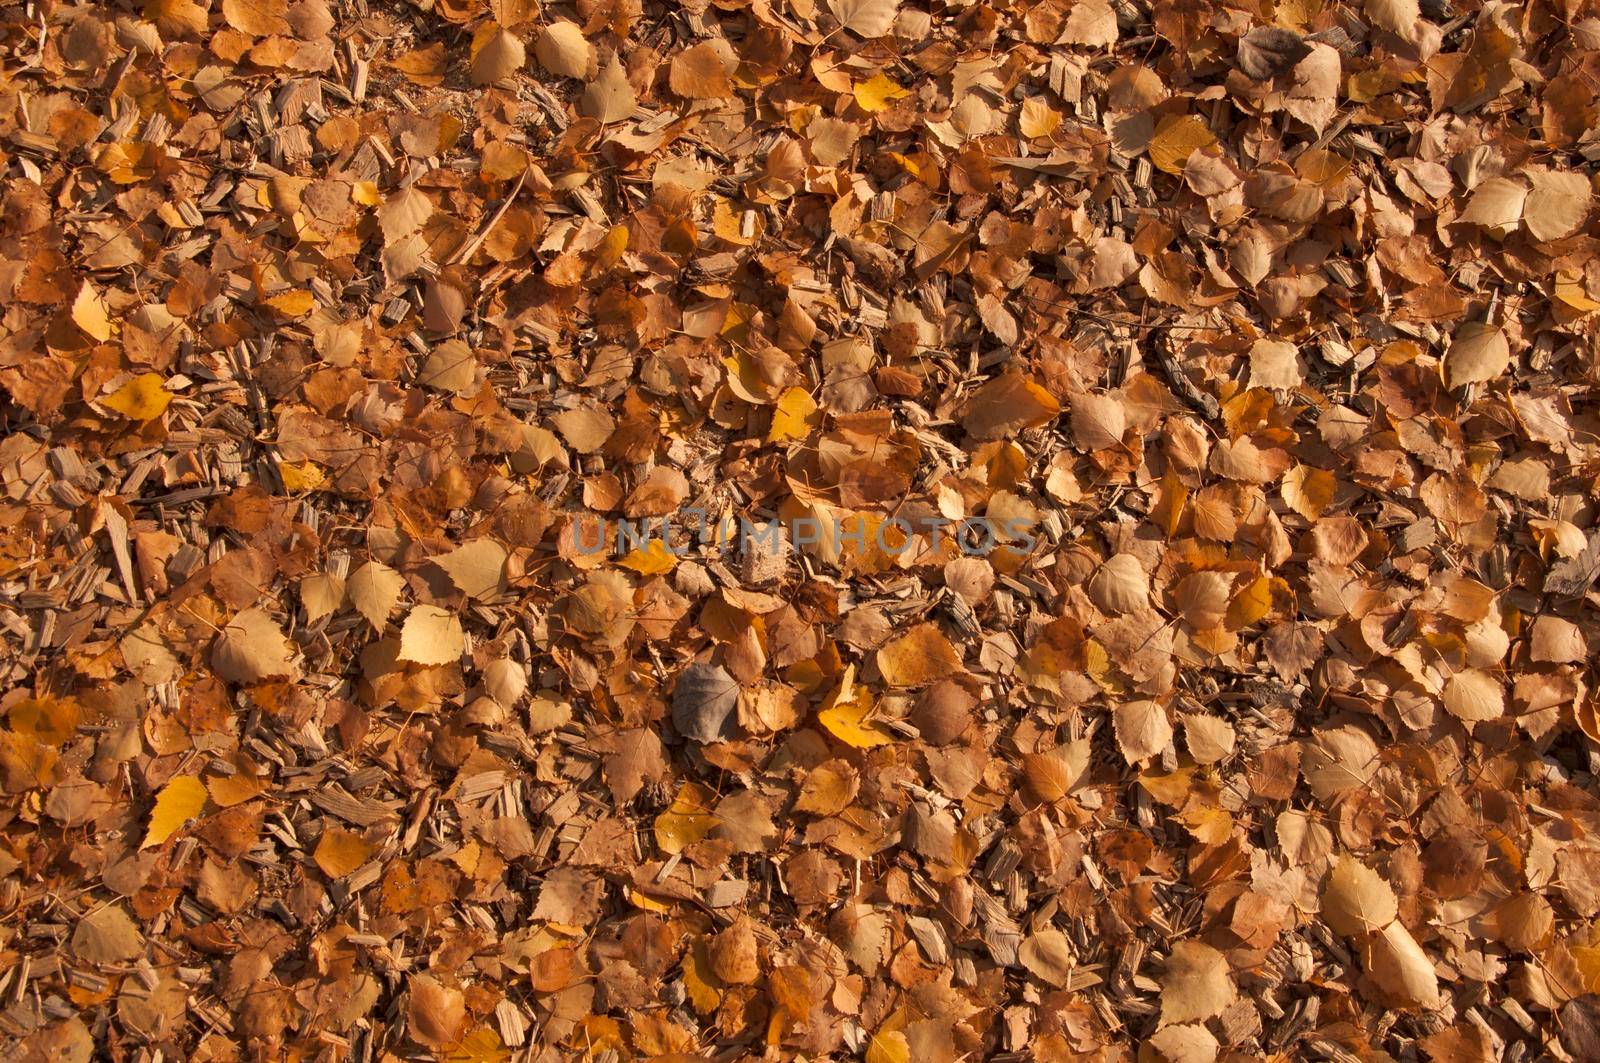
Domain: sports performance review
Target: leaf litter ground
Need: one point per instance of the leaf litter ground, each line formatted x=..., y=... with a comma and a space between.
x=1250, y=716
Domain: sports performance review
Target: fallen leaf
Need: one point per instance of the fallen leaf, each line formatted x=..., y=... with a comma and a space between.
x=107, y=935
x=865, y=18
x=340, y=852
x=91, y=314
x=847, y=721
x=374, y=590
x=1176, y=138
x=1478, y=353
x=144, y=398
x=497, y=54
x=1196, y=984
x=1268, y=51
x=921, y=656
x=477, y=568
x=178, y=802
x=431, y=636
x=703, y=702
x=610, y=97
x=562, y=49
x=251, y=648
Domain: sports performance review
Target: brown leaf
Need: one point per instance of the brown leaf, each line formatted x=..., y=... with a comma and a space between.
x=251, y=648
x=107, y=935
x=1267, y=51
x=562, y=49
x=1196, y=984
x=496, y=54
x=699, y=73
x=436, y=1014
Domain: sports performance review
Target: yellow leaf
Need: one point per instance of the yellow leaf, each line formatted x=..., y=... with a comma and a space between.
x=141, y=399
x=847, y=720
x=609, y=253
x=687, y=819
x=1170, y=500
x=647, y=902
x=1368, y=85
x=1210, y=824
x=482, y=1045
x=1170, y=788
x=876, y=93
x=91, y=314
x=700, y=981
x=340, y=852
x=728, y=223
x=795, y=417
x=366, y=193
x=1038, y=118
x=178, y=802
x=1588, y=961
x=889, y=1046
x=48, y=721
x=739, y=315
x=653, y=560
x=1569, y=290
x=1250, y=604
x=1255, y=600
x=1097, y=666
x=132, y=162
x=1178, y=137
x=1309, y=491
x=245, y=783
x=909, y=165
x=303, y=477
x=294, y=303
x=919, y=657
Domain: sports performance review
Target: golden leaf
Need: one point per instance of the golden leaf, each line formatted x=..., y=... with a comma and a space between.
x=302, y=477
x=653, y=559
x=482, y=1045
x=1038, y=119
x=847, y=721
x=687, y=819
x=877, y=92
x=91, y=314
x=178, y=802
x=699, y=981
x=889, y=1046
x=795, y=417
x=296, y=302
x=141, y=399
x=919, y=657
x=339, y=852
x=1178, y=137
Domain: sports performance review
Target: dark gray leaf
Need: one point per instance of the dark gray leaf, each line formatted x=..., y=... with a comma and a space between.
x=1267, y=51
x=703, y=701
x=1573, y=577
x=1580, y=1026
